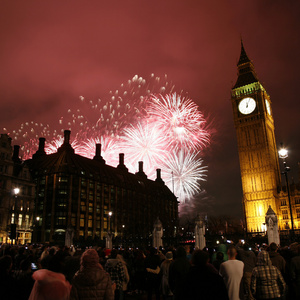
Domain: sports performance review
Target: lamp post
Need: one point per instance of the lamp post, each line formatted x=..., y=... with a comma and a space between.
x=283, y=154
x=13, y=227
x=109, y=215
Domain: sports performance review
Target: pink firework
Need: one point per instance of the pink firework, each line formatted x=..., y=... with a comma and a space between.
x=144, y=142
x=180, y=119
x=145, y=120
x=53, y=145
x=28, y=136
x=109, y=149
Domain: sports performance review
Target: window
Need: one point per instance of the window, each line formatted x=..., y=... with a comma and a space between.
x=90, y=222
x=73, y=219
x=20, y=220
x=298, y=213
x=285, y=215
x=283, y=202
x=82, y=206
x=27, y=221
x=82, y=220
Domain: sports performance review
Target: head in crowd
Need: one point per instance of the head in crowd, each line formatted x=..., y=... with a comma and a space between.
x=273, y=247
x=169, y=255
x=180, y=253
x=89, y=259
x=49, y=285
x=113, y=253
x=232, y=252
x=5, y=264
x=200, y=258
x=220, y=256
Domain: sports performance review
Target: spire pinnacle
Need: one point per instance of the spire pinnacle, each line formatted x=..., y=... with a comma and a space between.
x=243, y=57
x=246, y=72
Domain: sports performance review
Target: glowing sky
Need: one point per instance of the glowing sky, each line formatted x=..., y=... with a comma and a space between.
x=52, y=52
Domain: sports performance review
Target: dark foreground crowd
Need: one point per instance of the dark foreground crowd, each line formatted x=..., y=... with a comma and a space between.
x=236, y=272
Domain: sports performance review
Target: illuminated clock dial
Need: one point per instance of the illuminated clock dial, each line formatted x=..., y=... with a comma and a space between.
x=268, y=107
x=247, y=106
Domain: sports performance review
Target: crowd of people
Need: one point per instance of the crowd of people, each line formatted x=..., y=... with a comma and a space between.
x=40, y=272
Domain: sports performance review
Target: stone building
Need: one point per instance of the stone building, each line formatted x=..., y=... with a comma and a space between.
x=17, y=192
x=94, y=199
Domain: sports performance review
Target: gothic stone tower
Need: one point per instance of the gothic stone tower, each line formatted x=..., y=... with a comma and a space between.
x=257, y=149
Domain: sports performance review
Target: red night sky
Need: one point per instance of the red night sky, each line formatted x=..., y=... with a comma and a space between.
x=54, y=51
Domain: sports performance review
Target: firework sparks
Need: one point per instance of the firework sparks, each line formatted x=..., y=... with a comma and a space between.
x=185, y=171
x=144, y=143
x=181, y=120
x=145, y=120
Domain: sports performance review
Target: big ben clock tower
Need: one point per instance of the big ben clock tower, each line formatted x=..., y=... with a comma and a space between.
x=257, y=149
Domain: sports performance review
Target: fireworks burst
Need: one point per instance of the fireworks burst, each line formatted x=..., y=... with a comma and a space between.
x=184, y=171
x=145, y=143
x=144, y=119
x=180, y=119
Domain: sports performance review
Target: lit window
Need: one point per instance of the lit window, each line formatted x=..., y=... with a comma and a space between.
x=82, y=220
x=20, y=220
x=90, y=222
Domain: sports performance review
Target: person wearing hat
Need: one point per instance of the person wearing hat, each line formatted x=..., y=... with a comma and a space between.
x=164, y=270
x=91, y=281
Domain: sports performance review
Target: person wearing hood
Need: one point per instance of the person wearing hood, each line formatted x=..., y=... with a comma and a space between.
x=266, y=281
x=127, y=277
x=49, y=285
x=115, y=269
x=91, y=281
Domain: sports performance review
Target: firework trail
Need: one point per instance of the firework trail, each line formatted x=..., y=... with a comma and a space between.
x=144, y=119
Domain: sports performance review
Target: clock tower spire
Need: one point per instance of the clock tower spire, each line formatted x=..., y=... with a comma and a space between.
x=257, y=149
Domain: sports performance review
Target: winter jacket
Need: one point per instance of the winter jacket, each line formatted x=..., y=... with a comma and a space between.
x=266, y=281
x=91, y=284
x=115, y=269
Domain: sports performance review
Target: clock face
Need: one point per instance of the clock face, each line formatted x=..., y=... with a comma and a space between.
x=247, y=106
x=268, y=107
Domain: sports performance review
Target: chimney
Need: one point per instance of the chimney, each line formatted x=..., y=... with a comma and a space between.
x=67, y=134
x=98, y=154
x=141, y=171
x=158, y=176
x=141, y=167
x=66, y=146
x=15, y=157
x=42, y=144
x=41, y=150
x=121, y=162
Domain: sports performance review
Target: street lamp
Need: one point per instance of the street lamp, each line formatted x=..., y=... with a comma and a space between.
x=13, y=226
x=283, y=154
x=109, y=215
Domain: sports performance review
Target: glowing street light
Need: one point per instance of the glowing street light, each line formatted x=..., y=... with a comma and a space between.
x=283, y=154
x=109, y=214
x=16, y=191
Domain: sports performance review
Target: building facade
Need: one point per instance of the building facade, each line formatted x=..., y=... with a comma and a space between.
x=17, y=192
x=92, y=199
x=258, y=155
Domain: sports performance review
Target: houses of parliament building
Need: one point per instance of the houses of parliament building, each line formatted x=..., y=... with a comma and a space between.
x=262, y=184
